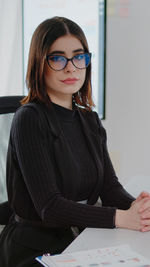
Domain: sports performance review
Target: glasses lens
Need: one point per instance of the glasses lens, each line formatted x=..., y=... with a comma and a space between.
x=81, y=61
x=56, y=62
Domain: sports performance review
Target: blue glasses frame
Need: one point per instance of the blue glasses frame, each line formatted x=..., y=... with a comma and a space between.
x=64, y=60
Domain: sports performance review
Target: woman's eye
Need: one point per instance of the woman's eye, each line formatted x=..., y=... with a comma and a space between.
x=56, y=58
x=79, y=56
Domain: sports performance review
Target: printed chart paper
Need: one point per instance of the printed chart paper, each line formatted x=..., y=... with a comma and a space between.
x=121, y=256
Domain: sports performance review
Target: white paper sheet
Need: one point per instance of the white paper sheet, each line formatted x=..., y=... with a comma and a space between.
x=121, y=256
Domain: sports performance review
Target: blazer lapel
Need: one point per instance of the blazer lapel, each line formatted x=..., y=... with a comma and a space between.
x=94, y=142
x=67, y=166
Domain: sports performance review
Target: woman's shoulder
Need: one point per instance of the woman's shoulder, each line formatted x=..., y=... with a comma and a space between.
x=29, y=114
x=28, y=108
x=31, y=110
x=28, y=121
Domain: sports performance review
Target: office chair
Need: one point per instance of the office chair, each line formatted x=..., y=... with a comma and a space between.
x=8, y=106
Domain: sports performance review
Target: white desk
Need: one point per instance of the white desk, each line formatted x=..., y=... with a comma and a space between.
x=92, y=238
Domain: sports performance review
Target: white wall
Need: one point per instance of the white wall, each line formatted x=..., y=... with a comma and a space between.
x=11, y=82
x=128, y=88
x=127, y=84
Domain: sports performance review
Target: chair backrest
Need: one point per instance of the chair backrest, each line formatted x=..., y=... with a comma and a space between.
x=8, y=106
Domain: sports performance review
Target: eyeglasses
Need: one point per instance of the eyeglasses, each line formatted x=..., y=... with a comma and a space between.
x=58, y=62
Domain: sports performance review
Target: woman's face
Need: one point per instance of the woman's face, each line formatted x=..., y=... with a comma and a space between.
x=63, y=83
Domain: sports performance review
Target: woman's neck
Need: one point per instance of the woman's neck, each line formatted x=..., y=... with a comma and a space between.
x=65, y=102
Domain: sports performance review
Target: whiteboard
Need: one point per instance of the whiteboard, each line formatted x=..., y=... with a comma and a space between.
x=90, y=16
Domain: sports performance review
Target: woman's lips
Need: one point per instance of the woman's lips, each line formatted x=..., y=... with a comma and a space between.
x=70, y=80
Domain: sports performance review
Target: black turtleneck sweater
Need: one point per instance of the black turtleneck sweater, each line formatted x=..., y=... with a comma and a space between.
x=71, y=126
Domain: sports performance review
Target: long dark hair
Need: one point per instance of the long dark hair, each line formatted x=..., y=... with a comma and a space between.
x=43, y=37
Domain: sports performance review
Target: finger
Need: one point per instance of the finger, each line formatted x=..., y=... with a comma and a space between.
x=146, y=228
x=145, y=222
x=136, y=201
x=142, y=195
x=140, y=206
x=145, y=214
x=145, y=204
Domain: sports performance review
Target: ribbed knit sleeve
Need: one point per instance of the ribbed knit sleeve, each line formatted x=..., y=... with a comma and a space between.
x=34, y=154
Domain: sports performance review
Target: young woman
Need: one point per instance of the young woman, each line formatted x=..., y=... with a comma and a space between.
x=57, y=163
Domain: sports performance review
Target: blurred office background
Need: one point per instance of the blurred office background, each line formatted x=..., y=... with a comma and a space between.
x=127, y=114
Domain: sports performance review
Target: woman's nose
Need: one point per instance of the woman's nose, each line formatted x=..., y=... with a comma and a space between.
x=70, y=67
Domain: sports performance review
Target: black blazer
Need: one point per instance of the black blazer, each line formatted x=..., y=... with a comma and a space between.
x=24, y=176
x=44, y=189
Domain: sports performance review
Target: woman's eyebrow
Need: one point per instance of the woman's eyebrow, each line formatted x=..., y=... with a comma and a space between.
x=57, y=52
x=79, y=50
x=63, y=52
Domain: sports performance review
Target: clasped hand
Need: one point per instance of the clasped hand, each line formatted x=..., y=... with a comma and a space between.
x=140, y=209
x=137, y=217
